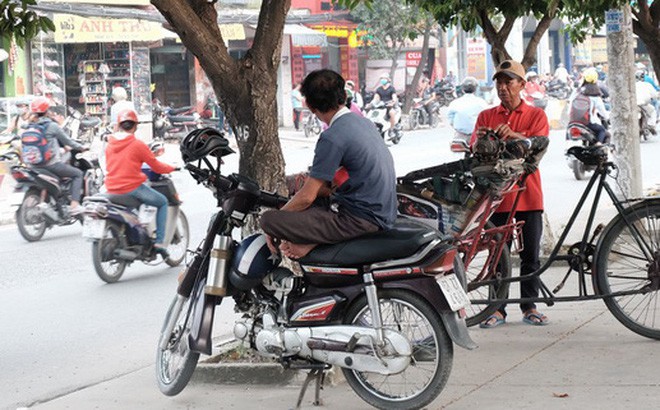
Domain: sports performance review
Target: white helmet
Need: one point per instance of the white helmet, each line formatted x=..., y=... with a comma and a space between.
x=530, y=75
x=119, y=94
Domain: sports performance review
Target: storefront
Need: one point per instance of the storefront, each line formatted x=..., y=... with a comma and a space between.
x=342, y=47
x=85, y=58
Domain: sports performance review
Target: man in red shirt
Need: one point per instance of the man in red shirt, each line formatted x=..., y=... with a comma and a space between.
x=513, y=119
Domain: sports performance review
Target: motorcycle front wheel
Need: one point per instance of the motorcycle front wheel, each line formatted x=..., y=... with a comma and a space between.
x=176, y=363
x=107, y=266
x=578, y=170
x=30, y=222
x=432, y=352
x=179, y=244
x=413, y=120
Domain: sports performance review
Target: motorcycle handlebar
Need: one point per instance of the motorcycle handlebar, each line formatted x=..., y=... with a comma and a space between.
x=272, y=200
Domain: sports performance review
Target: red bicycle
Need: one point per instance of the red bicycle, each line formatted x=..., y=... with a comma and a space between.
x=622, y=258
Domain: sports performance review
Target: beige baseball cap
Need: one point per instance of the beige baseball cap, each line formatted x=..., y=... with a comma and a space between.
x=511, y=68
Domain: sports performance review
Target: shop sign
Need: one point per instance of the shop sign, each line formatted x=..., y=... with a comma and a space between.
x=413, y=58
x=232, y=32
x=333, y=31
x=599, y=49
x=476, y=58
x=582, y=52
x=75, y=29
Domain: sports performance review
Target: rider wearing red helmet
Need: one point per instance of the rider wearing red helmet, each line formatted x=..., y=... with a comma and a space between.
x=57, y=138
x=124, y=156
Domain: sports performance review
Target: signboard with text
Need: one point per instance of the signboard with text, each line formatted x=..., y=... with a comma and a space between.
x=476, y=58
x=75, y=29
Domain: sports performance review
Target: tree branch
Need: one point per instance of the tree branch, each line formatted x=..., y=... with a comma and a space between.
x=271, y=20
x=529, y=58
x=507, y=27
x=487, y=26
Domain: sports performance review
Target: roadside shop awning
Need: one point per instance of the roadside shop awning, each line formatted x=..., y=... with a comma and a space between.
x=305, y=36
x=75, y=29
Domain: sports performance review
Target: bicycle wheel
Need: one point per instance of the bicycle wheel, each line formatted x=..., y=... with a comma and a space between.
x=621, y=265
x=423, y=380
x=476, y=272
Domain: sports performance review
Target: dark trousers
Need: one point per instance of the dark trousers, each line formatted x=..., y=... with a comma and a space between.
x=63, y=170
x=532, y=230
x=314, y=225
x=296, y=117
x=600, y=131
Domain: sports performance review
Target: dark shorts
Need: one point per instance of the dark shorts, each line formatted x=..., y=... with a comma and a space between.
x=315, y=225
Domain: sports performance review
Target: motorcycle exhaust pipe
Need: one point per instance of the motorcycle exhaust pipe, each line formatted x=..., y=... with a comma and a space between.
x=216, y=280
x=126, y=255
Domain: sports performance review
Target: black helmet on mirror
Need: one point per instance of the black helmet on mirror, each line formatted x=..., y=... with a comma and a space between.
x=203, y=142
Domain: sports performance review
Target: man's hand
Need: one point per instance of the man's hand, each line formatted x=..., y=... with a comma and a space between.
x=481, y=131
x=506, y=133
x=271, y=245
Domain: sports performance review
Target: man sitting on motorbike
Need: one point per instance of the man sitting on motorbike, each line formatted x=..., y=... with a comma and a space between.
x=125, y=155
x=597, y=112
x=462, y=113
x=20, y=120
x=646, y=95
x=533, y=88
x=426, y=93
x=387, y=94
x=57, y=139
x=364, y=203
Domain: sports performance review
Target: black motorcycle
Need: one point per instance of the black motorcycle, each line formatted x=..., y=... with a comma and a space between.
x=424, y=112
x=445, y=92
x=46, y=200
x=557, y=89
x=170, y=123
x=81, y=127
x=384, y=307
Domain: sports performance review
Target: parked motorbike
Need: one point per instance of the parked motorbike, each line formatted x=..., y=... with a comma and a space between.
x=445, y=92
x=420, y=116
x=46, y=198
x=578, y=134
x=378, y=115
x=557, y=89
x=312, y=126
x=80, y=127
x=383, y=307
x=173, y=123
x=122, y=229
x=647, y=120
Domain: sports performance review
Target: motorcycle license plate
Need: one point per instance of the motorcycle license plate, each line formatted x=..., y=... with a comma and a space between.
x=93, y=228
x=454, y=293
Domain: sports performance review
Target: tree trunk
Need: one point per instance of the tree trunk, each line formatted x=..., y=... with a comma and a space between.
x=623, y=119
x=246, y=88
x=412, y=89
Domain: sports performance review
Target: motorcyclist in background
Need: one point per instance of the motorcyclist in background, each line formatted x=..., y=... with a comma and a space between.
x=646, y=96
x=57, y=139
x=598, y=115
x=462, y=113
x=533, y=88
x=387, y=94
x=20, y=120
x=125, y=155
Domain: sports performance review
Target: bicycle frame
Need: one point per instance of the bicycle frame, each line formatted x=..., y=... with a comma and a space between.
x=575, y=260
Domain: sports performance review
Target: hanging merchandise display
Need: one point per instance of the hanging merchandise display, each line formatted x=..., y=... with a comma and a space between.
x=48, y=70
x=94, y=92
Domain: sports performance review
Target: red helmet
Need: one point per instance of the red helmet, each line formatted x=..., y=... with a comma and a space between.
x=127, y=115
x=40, y=105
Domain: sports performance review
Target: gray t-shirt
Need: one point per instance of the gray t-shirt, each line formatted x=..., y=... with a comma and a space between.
x=354, y=143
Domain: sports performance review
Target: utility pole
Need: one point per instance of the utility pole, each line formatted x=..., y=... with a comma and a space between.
x=624, y=124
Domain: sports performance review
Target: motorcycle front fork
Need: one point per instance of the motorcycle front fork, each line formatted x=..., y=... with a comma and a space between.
x=374, y=307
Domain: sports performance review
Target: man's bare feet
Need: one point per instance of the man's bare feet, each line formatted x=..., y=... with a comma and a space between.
x=295, y=250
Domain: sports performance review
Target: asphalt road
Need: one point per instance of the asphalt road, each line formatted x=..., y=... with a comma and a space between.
x=65, y=330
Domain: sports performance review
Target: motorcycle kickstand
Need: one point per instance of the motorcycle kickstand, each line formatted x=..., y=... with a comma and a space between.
x=319, y=375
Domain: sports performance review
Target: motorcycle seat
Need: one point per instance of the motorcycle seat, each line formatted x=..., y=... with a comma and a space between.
x=90, y=122
x=403, y=240
x=43, y=171
x=180, y=110
x=123, y=200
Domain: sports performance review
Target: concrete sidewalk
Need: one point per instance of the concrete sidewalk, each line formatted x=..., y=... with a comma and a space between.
x=584, y=359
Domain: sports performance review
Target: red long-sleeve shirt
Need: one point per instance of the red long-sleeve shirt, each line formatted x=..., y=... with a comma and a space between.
x=124, y=159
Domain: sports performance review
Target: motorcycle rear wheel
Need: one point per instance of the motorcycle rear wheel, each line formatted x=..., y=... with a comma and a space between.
x=107, y=267
x=578, y=170
x=180, y=240
x=413, y=120
x=31, y=224
x=425, y=377
x=175, y=365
